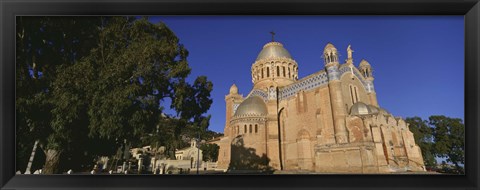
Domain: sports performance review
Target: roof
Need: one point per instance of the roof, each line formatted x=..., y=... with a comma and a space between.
x=252, y=106
x=329, y=48
x=273, y=50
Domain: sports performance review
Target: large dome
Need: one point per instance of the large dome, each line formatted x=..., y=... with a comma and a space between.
x=273, y=50
x=252, y=106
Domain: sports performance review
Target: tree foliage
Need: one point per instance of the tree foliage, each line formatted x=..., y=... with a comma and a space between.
x=440, y=137
x=42, y=45
x=106, y=82
x=423, y=135
x=210, y=152
x=449, y=136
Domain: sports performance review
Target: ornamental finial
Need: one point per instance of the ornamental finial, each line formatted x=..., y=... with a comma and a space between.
x=273, y=35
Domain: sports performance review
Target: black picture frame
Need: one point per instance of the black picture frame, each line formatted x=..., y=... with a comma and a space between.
x=9, y=9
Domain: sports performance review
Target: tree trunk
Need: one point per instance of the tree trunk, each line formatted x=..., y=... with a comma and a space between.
x=32, y=156
x=51, y=161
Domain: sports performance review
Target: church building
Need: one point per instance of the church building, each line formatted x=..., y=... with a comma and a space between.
x=327, y=122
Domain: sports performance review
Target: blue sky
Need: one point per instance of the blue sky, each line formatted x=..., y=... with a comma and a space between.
x=418, y=61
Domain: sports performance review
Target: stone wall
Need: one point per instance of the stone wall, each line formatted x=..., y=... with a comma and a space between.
x=346, y=158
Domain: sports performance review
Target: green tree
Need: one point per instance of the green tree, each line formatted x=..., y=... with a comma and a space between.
x=449, y=137
x=116, y=92
x=210, y=152
x=42, y=45
x=423, y=135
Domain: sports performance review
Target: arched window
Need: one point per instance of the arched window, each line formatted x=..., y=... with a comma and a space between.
x=262, y=73
x=278, y=71
x=351, y=94
x=356, y=94
x=268, y=71
x=245, y=127
x=289, y=76
x=256, y=128
x=283, y=71
x=250, y=129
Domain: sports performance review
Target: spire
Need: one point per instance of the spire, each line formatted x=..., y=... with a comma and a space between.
x=233, y=89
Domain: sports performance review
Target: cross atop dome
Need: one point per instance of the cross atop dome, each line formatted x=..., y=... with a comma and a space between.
x=273, y=35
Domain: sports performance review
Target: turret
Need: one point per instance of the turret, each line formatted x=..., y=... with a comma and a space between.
x=232, y=100
x=330, y=56
x=234, y=89
x=366, y=70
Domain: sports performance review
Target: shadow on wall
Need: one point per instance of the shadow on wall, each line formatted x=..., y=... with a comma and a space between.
x=245, y=160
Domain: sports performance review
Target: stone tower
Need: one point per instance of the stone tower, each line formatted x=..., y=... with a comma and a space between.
x=330, y=56
x=232, y=100
x=366, y=70
x=273, y=67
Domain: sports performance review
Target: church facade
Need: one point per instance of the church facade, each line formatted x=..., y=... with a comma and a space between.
x=329, y=121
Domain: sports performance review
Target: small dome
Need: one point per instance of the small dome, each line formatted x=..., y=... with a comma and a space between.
x=384, y=112
x=273, y=50
x=252, y=106
x=374, y=109
x=360, y=108
x=329, y=48
x=364, y=63
x=233, y=89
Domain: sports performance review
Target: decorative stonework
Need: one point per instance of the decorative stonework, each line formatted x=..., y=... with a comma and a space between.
x=235, y=106
x=248, y=118
x=274, y=60
x=370, y=87
x=258, y=92
x=343, y=70
x=333, y=73
x=307, y=83
x=288, y=69
x=272, y=93
x=249, y=115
